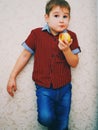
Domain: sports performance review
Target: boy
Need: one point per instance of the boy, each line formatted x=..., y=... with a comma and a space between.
x=52, y=61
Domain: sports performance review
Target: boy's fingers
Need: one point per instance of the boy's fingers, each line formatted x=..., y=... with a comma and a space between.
x=11, y=94
x=71, y=41
x=10, y=91
x=15, y=88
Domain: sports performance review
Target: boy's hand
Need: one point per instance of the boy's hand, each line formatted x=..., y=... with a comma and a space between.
x=64, y=45
x=11, y=87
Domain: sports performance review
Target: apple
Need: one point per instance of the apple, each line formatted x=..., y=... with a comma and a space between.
x=65, y=36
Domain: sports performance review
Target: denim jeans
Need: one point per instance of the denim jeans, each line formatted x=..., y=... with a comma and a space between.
x=53, y=106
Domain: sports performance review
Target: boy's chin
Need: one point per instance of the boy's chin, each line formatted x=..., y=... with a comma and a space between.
x=61, y=30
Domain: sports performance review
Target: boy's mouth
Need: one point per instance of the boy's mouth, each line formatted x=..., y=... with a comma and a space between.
x=62, y=26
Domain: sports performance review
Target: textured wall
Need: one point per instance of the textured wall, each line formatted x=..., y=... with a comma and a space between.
x=17, y=18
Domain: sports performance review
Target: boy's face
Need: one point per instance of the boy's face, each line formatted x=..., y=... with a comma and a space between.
x=58, y=19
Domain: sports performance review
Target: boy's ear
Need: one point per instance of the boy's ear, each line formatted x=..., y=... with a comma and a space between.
x=46, y=17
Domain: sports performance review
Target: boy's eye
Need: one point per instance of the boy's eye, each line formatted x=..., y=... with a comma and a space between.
x=56, y=16
x=65, y=16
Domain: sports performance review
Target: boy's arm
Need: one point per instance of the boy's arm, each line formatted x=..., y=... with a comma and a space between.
x=20, y=64
x=71, y=58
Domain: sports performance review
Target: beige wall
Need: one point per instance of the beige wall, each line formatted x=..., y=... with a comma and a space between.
x=17, y=18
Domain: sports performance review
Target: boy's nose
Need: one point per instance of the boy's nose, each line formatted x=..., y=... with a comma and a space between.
x=61, y=19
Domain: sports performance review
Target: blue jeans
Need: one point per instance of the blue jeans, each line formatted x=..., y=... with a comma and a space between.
x=53, y=106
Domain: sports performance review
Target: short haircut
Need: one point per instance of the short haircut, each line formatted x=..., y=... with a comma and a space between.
x=52, y=3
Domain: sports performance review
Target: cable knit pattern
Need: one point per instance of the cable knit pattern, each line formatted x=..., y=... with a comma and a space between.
x=17, y=18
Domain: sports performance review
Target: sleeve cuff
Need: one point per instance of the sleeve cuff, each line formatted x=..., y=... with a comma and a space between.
x=27, y=48
x=76, y=51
